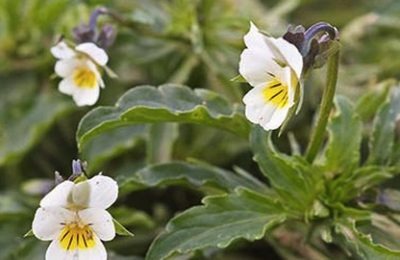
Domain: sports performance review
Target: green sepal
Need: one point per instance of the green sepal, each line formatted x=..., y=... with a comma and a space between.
x=121, y=230
x=29, y=233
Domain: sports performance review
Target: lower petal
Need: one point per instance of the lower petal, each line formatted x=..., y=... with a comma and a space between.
x=86, y=96
x=56, y=252
x=273, y=118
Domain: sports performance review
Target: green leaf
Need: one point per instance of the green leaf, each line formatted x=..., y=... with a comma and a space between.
x=121, y=230
x=362, y=245
x=345, y=133
x=108, y=145
x=221, y=220
x=347, y=186
x=21, y=133
x=167, y=103
x=383, y=134
x=293, y=178
x=160, y=142
x=197, y=175
x=370, y=102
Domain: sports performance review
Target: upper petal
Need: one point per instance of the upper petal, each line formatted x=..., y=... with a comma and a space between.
x=100, y=221
x=49, y=221
x=278, y=49
x=94, y=52
x=257, y=67
x=62, y=51
x=288, y=53
x=256, y=40
x=59, y=196
x=98, y=192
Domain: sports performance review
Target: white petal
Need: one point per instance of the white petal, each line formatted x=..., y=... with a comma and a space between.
x=56, y=252
x=256, y=41
x=67, y=86
x=256, y=67
x=100, y=221
x=289, y=53
x=275, y=117
x=66, y=67
x=93, y=68
x=59, y=196
x=98, y=252
x=255, y=104
x=49, y=221
x=96, y=53
x=98, y=192
x=86, y=96
x=62, y=51
x=258, y=111
x=287, y=76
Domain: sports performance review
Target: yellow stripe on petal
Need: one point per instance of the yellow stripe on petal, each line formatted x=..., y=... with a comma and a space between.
x=276, y=92
x=84, y=78
x=74, y=237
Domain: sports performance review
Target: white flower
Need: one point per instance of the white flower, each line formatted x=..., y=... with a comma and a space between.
x=79, y=70
x=74, y=217
x=273, y=67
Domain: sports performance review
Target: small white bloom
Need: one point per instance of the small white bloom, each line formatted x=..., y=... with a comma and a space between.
x=74, y=217
x=273, y=67
x=79, y=70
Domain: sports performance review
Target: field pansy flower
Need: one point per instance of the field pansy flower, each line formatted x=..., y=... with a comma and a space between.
x=273, y=68
x=73, y=216
x=79, y=69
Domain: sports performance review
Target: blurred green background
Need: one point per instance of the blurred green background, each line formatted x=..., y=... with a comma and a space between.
x=191, y=42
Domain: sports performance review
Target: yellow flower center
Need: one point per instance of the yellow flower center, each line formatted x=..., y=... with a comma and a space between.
x=84, y=78
x=74, y=236
x=276, y=92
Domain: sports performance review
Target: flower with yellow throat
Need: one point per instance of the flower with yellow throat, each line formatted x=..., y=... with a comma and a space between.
x=73, y=216
x=79, y=69
x=273, y=68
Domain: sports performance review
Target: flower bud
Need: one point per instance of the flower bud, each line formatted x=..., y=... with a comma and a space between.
x=90, y=33
x=315, y=44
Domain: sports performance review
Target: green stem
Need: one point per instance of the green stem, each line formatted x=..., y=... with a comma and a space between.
x=317, y=135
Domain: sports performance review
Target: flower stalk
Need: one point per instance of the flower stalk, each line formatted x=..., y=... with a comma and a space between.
x=317, y=135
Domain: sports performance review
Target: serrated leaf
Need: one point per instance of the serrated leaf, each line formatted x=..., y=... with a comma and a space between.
x=383, y=134
x=362, y=245
x=291, y=177
x=221, y=220
x=167, y=103
x=121, y=230
x=20, y=134
x=197, y=175
x=108, y=145
x=345, y=134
